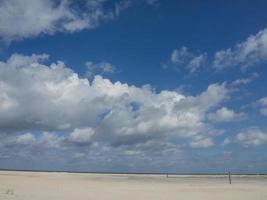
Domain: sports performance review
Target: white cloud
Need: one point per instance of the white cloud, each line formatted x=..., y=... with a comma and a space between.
x=26, y=138
x=82, y=136
x=196, y=62
x=50, y=140
x=45, y=139
x=225, y=115
x=263, y=103
x=251, y=137
x=30, y=18
x=101, y=68
x=53, y=98
x=182, y=57
x=245, y=81
x=179, y=56
x=202, y=143
x=244, y=54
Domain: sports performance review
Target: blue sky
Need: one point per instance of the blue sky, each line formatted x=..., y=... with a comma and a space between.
x=147, y=85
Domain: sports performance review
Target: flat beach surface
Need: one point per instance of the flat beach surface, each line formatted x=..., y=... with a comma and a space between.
x=76, y=186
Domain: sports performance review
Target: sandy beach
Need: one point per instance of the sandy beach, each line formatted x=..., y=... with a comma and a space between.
x=68, y=186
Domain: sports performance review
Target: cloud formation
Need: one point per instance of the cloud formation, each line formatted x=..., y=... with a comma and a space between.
x=82, y=136
x=245, y=54
x=26, y=138
x=226, y=115
x=39, y=97
x=30, y=18
x=251, y=137
x=202, y=143
x=183, y=58
x=101, y=68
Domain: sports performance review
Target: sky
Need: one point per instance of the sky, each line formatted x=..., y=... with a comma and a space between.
x=133, y=85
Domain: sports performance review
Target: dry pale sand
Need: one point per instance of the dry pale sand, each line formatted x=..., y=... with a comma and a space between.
x=74, y=186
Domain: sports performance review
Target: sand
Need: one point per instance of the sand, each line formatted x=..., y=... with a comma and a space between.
x=76, y=186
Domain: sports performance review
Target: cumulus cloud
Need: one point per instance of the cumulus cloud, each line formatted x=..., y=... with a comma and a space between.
x=225, y=115
x=182, y=57
x=245, y=54
x=30, y=18
x=53, y=98
x=82, y=136
x=42, y=140
x=251, y=137
x=263, y=103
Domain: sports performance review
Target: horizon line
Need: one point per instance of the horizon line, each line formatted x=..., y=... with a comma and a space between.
x=131, y=173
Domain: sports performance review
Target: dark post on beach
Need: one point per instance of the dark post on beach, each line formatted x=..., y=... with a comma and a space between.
x=229, y=175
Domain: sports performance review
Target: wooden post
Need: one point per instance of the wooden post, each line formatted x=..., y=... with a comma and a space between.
x=167, y=175
x=229, y=176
